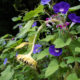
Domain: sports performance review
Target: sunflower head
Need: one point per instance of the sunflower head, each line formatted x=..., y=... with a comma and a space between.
x=26, y=59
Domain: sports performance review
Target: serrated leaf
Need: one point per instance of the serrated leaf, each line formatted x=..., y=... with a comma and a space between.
x=43, y=53
x=72, y=76
x=52, y=67
x=59, y=43
x=33, y=13
x=7, y=74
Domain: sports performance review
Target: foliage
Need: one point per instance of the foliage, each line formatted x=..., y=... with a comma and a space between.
x=54, y=30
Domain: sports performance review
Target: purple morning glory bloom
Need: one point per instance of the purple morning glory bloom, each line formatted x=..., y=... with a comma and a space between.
x=13, y=38
x=43, y=2
x=61, y=7
x=16, y=54
x=55, y=51
x=74, y=18
x=34, y=24
x=20, y=26
x=37, y=48
x=5, y=61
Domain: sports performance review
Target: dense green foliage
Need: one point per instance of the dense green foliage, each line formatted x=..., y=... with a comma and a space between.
x=49, y=67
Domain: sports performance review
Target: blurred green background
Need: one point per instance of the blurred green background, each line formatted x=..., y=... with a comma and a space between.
x=11, y=8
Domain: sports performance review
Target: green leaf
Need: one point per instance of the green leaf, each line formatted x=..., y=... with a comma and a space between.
x=12, y=45
x=33, y=13
x=72, y=76
x=5, y=36
x=25, y=29
x=74, y=8
x=79, y=39
x=77, y=59
x=73, y=45
x=70, y=59
x=11, y=42
x=59, y=43
x=63, y=64
x=53, y=66
x=49, y=37
x=16, y=18
x=77, y=49
x=7, y=74
x=43, y=53
x=68, y=41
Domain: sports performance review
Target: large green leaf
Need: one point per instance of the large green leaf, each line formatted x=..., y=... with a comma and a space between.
x=49, y=37
x=53, y=66
x=74, y=8
x=44, y=53
x=59, y=43
x=72, y=76
x=25, y=29
x=33, y=13
x=7, y=74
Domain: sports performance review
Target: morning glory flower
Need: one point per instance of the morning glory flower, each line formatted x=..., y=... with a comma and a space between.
x=20, y=26
x=61, y=7
x=55, y=51
x=74, y=18
x=34, y=24
x=13, y=39
x=5, y=61
x=37, y=48
x=43, y=2
x=16, y=54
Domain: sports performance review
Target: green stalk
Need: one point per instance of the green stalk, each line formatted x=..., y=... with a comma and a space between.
x=37, y=34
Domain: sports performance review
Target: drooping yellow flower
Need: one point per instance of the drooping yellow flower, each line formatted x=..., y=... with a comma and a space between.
x=27, y=59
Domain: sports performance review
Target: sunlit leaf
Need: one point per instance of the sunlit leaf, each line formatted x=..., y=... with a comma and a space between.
x=33, y=13
x=74, y=8
x=52, y=67
x=72, y=76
